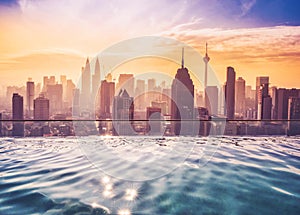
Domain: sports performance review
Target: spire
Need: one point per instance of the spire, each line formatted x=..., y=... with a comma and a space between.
x=206, y=57
x=87, y=65
x=97, y=67
x=182, y=60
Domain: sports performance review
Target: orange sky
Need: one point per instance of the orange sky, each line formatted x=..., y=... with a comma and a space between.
x=52, y=38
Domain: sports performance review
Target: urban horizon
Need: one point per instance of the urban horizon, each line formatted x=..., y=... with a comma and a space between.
x=99, y=99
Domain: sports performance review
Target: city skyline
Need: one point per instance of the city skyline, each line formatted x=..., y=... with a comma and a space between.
x=132, y=99
x=243, y=36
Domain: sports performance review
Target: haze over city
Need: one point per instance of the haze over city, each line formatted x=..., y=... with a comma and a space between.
x=257, y=38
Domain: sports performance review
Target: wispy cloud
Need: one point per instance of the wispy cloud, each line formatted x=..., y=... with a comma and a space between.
x=246, y=6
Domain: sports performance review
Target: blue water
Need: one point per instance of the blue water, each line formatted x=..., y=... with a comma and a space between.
x=118, y=175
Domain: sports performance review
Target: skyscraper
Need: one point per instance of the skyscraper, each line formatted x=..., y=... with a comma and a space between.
x=107, y=92
x=264, y=101
x=86, y=86
x=211, y=98
x=41, y=108
x=154, y=127
x=151, y=94
x=76, y=102
x=182, y=104
x=0, y=125
x=126, y=81
x=166, y=97
x=281, y=103
x=96, y=79
x=48, y=81
x=55, y=94
x=17, y=114
x=151, y=84
x=230, y=93
x=140, y=95
x=63, y=81
x=69, y=92
x=273, y=92
x=206, y=60
x=29, y=98
x=123, y=112
x=267, y=108
x=240, y=96
x=259, y=82
x=294, y=114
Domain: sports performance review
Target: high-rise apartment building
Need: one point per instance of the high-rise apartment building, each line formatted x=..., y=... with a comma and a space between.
x=41, y=108
x=230, y=93
x=212, y=99
x=240, y=94
x=123, y=113
x=17, y=114
x=29, y=98
x=107, y=92
x=126, y=81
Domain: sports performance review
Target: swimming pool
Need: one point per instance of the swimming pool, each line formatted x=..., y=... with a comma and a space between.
x=123, y=175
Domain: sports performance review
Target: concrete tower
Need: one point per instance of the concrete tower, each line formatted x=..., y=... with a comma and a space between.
x=206, y=60
x=230, y=93
x=182, y=94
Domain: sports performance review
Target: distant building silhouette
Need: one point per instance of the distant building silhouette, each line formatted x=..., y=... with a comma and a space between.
x=230, y=93
x=203, y=114
x=240, y=94
x=154, y=127
x=262, y=88
x=76, y=102
x=0, y=125
x=151, y=84
x=126, y=81
x=29, y=98
x=267, y=108
x=182, y=105
x=166, y=97
x=212, y=99
x=151, y=94
x=294, y=114
x=123, y=112
x=63, y=81
x=96, y=79
x=85, y=100
x=107, y=92
x=272, y=93
x=10, y=90
x=69, y=94
x=281, y=101
x=162, y=105
x=41, y=108
x=140, y=91
x=17, y=114
x=48, y=81
x=55, y=96
x=264, y=101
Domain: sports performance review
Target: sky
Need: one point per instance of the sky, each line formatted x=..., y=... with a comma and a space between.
x=54, y=37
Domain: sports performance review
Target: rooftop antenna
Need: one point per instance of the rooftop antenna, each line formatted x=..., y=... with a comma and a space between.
x=182, y=60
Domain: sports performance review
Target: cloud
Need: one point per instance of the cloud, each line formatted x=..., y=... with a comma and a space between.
x=246, y=6
x=268, y=40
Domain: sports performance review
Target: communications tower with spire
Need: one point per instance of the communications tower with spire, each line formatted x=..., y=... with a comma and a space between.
x=206, y=59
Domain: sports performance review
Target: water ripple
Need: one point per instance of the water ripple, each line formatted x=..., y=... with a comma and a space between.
x=219, y=175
